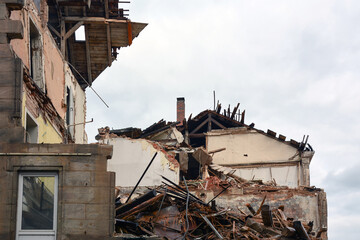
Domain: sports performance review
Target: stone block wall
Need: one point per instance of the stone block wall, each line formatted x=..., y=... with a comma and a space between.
x=85, y=188
x=11, y=75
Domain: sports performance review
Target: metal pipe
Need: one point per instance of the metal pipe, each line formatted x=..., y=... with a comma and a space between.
x=212, y=227
x=141, y=177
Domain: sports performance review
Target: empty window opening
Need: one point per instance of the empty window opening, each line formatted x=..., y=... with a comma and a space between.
x=36, y=61
x=80, y=34
x=31, y=130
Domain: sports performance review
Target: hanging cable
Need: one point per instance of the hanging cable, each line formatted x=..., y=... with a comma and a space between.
x=88, y=84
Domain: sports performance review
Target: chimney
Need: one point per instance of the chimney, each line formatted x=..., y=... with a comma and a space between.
x=180, y=110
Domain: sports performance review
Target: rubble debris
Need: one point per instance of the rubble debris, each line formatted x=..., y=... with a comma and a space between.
x=170, y=211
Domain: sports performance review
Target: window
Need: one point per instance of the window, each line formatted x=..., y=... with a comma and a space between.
x=36, y=58
x=31, y=130
x=37, y=206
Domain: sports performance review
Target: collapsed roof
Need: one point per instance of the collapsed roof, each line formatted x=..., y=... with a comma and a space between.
x=107, y=28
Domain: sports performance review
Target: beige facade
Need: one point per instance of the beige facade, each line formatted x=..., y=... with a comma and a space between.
x=255, y=155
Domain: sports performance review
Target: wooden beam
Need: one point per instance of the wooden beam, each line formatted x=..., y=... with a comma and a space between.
x=200, y=126
x=93, y=20
x=129, y=28
x=108, y=36
x=88, y=59
x=242, y=117
x=217, y=123
x=196, y=135
x=62, y=38
x=209, y=124
x=73, y=29
x=234, y=111
x=54, y=30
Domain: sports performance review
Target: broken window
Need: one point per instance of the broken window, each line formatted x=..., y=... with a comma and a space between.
x=36, y=59
x=70, y=112
x=31, y=130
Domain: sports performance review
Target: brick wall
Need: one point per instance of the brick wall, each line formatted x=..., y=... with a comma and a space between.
x=180, y=110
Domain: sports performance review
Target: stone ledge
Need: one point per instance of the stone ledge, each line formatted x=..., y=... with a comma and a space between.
x=93, y=149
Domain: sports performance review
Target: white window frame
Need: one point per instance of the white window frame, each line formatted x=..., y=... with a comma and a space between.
x=32, y=234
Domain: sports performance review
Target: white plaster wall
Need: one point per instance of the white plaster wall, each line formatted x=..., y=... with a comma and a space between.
x=79, y=96
x=130, y=159
x=283, y=175
x=246, y=146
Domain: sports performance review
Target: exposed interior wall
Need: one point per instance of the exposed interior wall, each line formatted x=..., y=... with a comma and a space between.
x=259, y=157
x=78, y=107
x=85, y=189
x=132, y=156
x=248, y=146
x=283, y=175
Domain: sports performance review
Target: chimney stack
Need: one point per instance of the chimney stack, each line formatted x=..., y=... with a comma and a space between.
x=180, y=110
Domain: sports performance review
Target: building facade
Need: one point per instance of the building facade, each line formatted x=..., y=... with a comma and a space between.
x=53, y=184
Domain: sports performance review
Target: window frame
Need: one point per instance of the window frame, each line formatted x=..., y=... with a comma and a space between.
x=33, y=233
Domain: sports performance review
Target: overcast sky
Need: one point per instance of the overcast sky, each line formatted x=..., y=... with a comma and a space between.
x=293, y=65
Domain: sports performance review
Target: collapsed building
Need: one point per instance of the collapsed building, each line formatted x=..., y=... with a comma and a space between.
x=52, y=184
x=220, y=157
x=55, y=186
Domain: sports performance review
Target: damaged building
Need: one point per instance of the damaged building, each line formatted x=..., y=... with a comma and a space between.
x=53, y=184
x=219, y=157
x=210, y=176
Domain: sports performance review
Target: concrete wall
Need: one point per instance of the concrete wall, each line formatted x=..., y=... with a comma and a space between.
x=86, y=189
x=131, y=157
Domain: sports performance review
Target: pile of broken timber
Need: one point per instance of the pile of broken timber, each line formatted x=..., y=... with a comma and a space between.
x=171, y=212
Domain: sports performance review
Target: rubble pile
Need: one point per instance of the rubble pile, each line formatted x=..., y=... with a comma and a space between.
x=170, y=211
